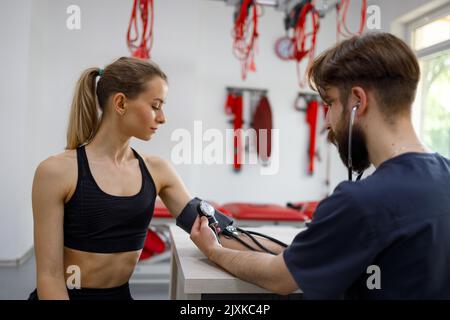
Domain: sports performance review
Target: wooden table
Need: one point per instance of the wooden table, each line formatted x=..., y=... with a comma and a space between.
x=193, y=276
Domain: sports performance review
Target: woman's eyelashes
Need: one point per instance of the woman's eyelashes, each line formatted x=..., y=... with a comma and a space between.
x=156, y=106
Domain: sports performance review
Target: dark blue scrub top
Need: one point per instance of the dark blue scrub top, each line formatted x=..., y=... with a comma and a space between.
x=397, y=219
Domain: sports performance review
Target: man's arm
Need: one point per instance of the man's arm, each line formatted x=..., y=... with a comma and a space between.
x=265, y=270
x=233, y=244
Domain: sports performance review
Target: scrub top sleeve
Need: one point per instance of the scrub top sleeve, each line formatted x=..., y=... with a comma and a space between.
x=336, y=248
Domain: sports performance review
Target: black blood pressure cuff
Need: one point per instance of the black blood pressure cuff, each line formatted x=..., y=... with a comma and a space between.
x=186, y=218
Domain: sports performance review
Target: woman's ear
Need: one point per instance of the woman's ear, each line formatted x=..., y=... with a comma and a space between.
x=119, y=102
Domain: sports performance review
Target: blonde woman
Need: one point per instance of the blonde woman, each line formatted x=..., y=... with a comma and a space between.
x=92, y=204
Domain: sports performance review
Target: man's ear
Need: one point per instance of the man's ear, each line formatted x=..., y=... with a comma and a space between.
x=359, y=98
x=119, y=102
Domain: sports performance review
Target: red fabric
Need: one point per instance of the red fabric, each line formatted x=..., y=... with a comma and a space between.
x=262, y=120
x=310, y=208
x=152, y=245
x=161, y=210
x=307, y=208
x=234, y=105
x=311, y=118
x=264, y=212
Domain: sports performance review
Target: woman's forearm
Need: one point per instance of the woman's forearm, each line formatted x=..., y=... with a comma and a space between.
x=52, y=288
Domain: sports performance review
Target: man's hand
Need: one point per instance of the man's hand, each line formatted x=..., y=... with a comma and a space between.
x=203, y=237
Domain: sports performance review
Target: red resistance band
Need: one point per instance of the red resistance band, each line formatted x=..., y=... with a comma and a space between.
x=311, y=118
x=141, y=50
x=262, y=120
x=310, y=105
x=243, y=49
x=342, y=10
x=234, y=105
x=300, y=37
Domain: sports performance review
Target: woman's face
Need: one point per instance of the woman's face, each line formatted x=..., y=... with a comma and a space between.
x=144, y=114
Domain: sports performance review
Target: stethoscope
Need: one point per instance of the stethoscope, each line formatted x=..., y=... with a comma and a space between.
x=207, y=210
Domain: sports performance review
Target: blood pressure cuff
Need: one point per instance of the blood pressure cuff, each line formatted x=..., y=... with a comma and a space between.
x=186, y=218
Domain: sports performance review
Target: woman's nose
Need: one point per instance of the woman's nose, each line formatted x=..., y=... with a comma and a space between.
x=160, y=117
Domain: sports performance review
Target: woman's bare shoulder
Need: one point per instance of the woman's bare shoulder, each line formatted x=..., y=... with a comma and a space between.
x=60, y=162
x=60, y=168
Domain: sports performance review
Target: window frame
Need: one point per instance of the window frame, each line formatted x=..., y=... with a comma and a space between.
x=424, y=20
x=422, y=54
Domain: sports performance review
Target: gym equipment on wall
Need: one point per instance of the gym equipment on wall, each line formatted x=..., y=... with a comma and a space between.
x=140, y=44
x=302, y=23
x=310, y=104
x=244, y=44
x=260, y=118
x=262, y=124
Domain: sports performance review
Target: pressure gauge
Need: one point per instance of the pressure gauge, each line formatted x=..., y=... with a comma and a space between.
x=206, y=209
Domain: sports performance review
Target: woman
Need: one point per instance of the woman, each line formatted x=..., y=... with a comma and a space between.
x=92, y=204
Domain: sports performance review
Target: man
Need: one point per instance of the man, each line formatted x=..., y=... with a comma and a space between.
x=395, y=223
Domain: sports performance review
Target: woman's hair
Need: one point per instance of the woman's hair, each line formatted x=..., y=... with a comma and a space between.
x=125, y=75
x=377, y=61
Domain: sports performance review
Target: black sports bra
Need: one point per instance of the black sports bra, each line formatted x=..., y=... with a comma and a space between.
x=95, y=221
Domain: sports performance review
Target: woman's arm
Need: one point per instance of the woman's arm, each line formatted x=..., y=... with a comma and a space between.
x=175, y=196
x=48, y=212
x=172, y=190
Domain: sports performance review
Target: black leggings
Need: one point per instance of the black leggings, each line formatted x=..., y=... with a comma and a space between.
x=117, y=293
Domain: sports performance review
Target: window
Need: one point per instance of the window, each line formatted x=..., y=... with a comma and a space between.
x=430, y=38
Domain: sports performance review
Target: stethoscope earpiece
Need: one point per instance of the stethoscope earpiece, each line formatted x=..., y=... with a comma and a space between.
x=349, y=151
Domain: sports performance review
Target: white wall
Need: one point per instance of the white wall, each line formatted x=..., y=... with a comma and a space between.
x=41, y=60
x=15, y=212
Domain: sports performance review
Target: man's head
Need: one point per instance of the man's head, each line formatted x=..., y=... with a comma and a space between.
x=378, y=73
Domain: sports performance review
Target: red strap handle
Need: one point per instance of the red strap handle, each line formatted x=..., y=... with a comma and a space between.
x=143, y=49
x=300, y=37
x=342, y=10
x=243, y=50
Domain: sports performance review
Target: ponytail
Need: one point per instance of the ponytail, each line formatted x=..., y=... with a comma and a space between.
x=84, y=117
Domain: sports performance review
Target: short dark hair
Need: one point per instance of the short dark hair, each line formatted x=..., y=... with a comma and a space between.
x=376, y=61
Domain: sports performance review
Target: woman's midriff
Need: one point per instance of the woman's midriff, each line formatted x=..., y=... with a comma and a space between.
x=99, y=270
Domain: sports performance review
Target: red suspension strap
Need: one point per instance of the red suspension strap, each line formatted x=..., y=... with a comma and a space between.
x=234, y=106
x=245, y=43
x=142, y=49
x=300, y=37
x=342, y=10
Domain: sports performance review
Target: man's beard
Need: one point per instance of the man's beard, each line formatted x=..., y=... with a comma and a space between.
x=360, y=154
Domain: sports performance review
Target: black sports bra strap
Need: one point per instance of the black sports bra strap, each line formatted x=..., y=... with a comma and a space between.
x=141, y=161
x=82, y=161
